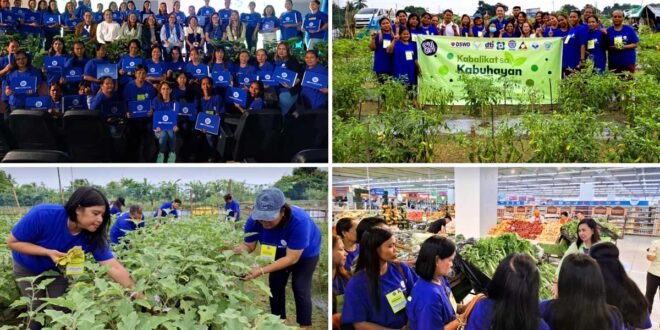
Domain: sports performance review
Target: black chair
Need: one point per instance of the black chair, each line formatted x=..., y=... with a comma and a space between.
x=304, y=129
x=311, y=156
x=258, y=136
x=87, y=136
x=34, y=130
x=7, y=142
x=36, y=156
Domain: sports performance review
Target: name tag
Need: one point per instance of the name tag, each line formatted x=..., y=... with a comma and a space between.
x=397, y=300
x=591, y=44
x=268, y=252
x=409, y=55
x=568, y=38
x=386, y=43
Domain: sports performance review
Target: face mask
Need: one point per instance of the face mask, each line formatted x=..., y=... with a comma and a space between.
x=492, y=29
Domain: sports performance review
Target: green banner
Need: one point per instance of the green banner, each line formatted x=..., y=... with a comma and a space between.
x=530, y=65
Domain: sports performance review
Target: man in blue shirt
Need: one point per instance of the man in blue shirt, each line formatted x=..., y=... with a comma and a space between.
x=225, y=14
x=315, y=24
x=169, y=208
x=251, y=20
x=127, y=221
x=232, y=207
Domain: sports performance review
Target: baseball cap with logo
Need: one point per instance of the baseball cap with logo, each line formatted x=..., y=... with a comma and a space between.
x=268, y=205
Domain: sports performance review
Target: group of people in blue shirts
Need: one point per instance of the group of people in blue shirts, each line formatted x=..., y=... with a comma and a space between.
x=375, y=290
x=583, y=35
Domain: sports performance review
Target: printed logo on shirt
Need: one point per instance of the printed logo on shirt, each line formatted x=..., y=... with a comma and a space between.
x=221, y=78
x=267, y=77
x=198, y=71
x=131, y=64
x=283, y=243
x=429, y=47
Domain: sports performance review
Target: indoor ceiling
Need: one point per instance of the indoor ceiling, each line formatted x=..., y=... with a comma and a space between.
x=541, y=182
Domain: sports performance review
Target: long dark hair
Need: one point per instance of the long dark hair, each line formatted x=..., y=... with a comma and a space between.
x=582, y=303
x=366, y=224
x=286, y=215
x=369, y=260
x=514, y=290
x=341, y=271
x=621, y=291
x=88, y=197
x=432, y=248
x=595, y=238
x=344, y=225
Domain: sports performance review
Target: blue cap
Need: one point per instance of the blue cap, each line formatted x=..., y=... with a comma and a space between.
x=268, y=205
x=477, y=15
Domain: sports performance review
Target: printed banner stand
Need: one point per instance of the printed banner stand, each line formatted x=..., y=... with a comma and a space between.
x=531, y=64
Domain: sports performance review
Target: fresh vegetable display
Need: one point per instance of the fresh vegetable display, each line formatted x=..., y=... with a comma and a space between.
x=486, y=254
x=353, y=214
x=393, y=216
x=526, y=229
x=571, y=229
x=186, y=271
x=500, y=228
x=610, y=227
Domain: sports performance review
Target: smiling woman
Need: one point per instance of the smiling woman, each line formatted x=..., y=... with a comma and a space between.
x=51, y=235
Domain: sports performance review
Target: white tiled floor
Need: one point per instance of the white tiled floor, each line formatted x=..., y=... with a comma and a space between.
x=632, y=253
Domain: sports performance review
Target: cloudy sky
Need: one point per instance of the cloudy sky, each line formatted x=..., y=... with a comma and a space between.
x=101, y=176
x=469, y=6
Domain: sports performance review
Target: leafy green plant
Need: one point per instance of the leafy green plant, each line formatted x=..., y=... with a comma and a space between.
x=505, y=146
x=589, y=89
x=188, y=274
x=480, y=93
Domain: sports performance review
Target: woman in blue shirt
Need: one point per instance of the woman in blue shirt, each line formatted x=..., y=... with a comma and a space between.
x=340, y=276
x=189, y=139
x=251, y=21
x=377, y=294
x=406, y=67
x=22, y=72
x=264, y=66
x=431, y=300
x=492, y=31
x=380, y=41
x=84, y=6
x=129, y=62
x=196, y=69
x=213, y=31
x=581, y=300
x=509, y=31
x=243, y=70
x=176, y=63
x=116, y=205
x=89, y=74
x=269, y=25
x=291, y=241
x=211, y=104
x=346, y=229
x=413, y=24
x=127, y=221
x=180, y=15
x=317, y=34
x=622, y=45
x=55, y=101
x=48, y=231
x=219, y=64
x=596, y=44
x=51, y=29
x=515, y=286
x=314, y=98
x=621, y=290
x=256, y=97
x=290, y=21
x=155, y=66
x=166, y=138
x=575, y=44
x=57, y=49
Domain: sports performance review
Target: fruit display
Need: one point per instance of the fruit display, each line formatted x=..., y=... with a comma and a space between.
x=501, y=228
x=551, y=233
x=487, y=253
x=525, y=229
x=393, y=216
x=357, y=214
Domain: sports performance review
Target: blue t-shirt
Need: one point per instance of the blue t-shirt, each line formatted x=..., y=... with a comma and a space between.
x=351, y=256
x=114, y=209
x=429, y=306
x=628, y=36
x=205, y=11
x=266, y=67
x=123, y=224
x=357, y=298
x=153, y=68
x=500, y=24
x=176, y=66
x=225, y=16
x=312, y=98
x=45, y=225
x=212, y=106
x=596, y=49
x=383, y=62
x=251, y=21
x=134, y=93
x=482, y=316
x=268, y=24
x=301, y=233
x=576, y=38
x=90, y=70
x=428, y=30
x=234, y=209
x=256, y=104
x=290, y=17
x=405, y=57
x=159, y=105
x=546, y=314
x=215, y=31
x=130, y=62
x=165, y=210
x=322, y=19
x=97, y=101
x=477, y=29
x=198, y=71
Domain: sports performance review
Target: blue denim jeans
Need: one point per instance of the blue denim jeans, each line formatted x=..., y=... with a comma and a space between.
x=166, y=141
x=287, y=101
